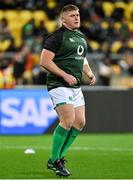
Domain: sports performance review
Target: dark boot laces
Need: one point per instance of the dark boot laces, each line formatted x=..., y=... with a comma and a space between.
x=59, y=165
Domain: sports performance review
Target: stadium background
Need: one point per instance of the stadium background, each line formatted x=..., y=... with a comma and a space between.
x=104, y=149
x=108, y=26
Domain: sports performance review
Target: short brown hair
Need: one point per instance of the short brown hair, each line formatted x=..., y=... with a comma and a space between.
x=69, y=7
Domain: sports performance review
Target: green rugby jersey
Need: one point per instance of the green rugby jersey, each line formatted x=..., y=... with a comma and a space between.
x=70, y=49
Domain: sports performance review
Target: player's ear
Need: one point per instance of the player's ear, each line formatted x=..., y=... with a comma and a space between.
x=63, y=19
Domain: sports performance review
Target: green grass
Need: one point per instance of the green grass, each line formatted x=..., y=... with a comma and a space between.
x=107, y=156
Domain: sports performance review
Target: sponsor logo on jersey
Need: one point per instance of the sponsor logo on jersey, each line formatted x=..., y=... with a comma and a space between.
x=71, y=40
x=80, y=50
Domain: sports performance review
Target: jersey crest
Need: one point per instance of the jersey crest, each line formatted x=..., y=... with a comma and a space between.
x=71, y=40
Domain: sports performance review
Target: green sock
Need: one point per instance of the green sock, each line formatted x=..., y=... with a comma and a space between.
x=59, y=138
x=69, y=140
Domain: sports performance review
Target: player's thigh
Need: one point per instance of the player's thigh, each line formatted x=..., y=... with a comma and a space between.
x=79, y=122
x=66, y=113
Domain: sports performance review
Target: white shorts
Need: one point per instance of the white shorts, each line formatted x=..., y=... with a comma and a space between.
x=64, y=95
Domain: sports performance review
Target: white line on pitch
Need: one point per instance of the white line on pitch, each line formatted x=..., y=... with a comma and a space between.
x=72, y=148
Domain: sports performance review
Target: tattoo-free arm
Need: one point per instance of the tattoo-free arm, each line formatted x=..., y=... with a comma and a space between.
x=48, y=63
x=87, y=70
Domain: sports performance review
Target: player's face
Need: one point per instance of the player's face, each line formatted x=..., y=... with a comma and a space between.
x=71, y=19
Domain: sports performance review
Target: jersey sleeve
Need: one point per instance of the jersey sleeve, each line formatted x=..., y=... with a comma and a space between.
x=85, y=61
x=52, y=43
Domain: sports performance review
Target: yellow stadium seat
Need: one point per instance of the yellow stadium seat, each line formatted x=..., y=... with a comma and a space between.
x=130, y=44
x=51, y=4
x=105, y=25
x=130, y=26
x=4, y=45
x=18, y=42
x=108, y=8
x=116, y=46
x=117, y=25
x=11, y=15
x=120, y=4
x=51, y=25
x=25, y=15
x=129, y=10
x=16, y=29
x=94, y=45
x=116, y=69
x=14, y=26
x=1, y=14
x=40, y=15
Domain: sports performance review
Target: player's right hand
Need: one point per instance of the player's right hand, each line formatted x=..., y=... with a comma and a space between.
x=70, y=79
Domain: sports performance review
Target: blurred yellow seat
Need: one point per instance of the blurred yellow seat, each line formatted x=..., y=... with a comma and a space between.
x=11, y=15
x=40, y=15
x=105, y=24
x=94, y=45
x=16, y=29
x=130, y=26
x=15, y=26
x=129, y=11
x=25, y=15
x=108, y=8
x=130, y=44
x=1, y=14
x=116, y=46
x=120, y=4
x=116, y=69
x=51, y=4
x=4, y=45
x=18, y=41
x=51, y=25
x=117, y=25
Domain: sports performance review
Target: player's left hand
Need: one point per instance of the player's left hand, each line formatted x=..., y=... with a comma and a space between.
x=92, y=78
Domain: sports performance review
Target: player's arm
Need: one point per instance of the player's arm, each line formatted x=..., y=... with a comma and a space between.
x=50, y=48
x=87, y=70
x=48, y=63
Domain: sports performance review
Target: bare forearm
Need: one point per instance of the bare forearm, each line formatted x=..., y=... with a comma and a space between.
x=87, y=69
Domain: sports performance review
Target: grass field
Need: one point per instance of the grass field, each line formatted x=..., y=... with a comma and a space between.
x=107, y=156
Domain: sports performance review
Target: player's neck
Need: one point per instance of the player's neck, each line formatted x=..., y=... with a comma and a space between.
x=70, y=28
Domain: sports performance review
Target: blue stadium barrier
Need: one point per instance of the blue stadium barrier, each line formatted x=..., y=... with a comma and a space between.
x=25, y=111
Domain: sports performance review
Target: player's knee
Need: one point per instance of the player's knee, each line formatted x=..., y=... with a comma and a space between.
x=67, y=124
x=80, y=123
